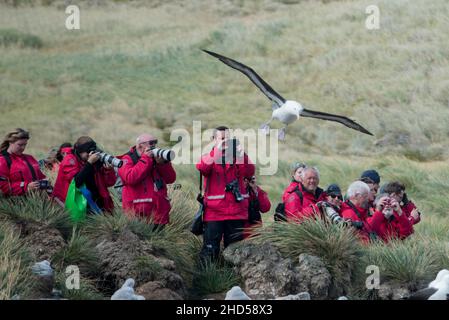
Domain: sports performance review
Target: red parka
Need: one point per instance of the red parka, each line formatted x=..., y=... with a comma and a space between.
x=295, y=209
x=140, y=195
x=219, y=204
x=398, y=226
x=370, y=224
x=14, y=181
x=70, y=166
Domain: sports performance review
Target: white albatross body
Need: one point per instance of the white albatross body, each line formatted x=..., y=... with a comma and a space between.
x=286, y=111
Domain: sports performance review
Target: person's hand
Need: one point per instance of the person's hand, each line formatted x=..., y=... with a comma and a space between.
x=93, y=157
x=221, y=145
x=148, y=152
x=381, y=203
x=415, y=214
x=159, y=160
x=253, y=183
x=240, y=151
x=396, y=206
x=107, y=166
x=33, y=186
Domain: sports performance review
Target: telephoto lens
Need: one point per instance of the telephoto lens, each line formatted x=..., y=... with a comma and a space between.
x=108, y=159
x=165, y=154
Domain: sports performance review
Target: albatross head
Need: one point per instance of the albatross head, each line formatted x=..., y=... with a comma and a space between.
x=294, y=106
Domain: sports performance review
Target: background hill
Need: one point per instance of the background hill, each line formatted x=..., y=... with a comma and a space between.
x=137, y=66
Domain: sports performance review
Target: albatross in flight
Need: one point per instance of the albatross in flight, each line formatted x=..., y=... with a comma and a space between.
x=286, y=111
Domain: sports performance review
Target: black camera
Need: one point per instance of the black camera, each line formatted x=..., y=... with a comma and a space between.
x=44, y=184
x=235, y=189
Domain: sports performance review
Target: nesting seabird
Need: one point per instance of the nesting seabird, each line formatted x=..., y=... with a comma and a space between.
x=437, y=289
x=286, y=111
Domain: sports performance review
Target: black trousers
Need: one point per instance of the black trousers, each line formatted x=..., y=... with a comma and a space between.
x=229, y=230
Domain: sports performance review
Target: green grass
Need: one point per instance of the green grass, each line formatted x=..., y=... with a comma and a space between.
x=9, y=37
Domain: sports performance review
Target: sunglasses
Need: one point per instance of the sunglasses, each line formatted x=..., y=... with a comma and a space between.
x=333, y=196
x=151, y=142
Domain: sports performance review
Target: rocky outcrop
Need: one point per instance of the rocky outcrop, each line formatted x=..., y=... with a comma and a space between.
x=266, y=275
x=42, y=241
x=128, y=256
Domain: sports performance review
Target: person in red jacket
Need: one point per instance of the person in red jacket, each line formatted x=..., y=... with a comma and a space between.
x=394, y=222
x=145, y=177
x=83, y=165
x=396, y=190
x=19, y=172
x=225, y=196
x=356, y=209
x=258, y=203
x=300, y=198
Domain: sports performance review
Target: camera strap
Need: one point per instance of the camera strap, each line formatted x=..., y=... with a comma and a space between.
x=349, y=203
x=30, y=167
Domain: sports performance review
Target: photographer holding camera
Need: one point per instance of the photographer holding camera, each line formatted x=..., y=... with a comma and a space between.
x=90, y=166
x=396, y=190
x=393, y=223
x=19, y=172
x=258, y=202
x=225, y=198
x=356, y=208
x=145, y=174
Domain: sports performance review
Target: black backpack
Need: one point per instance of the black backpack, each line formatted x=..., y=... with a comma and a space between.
x=279, y=213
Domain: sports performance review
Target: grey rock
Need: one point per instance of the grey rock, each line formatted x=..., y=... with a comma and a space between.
x=236, y=293
x=266, y=275
x=299, y=296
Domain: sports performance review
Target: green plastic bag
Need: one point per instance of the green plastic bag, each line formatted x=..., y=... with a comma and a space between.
x=76, y=203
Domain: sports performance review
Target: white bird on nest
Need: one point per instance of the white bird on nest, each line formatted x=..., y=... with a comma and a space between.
x=286, y=111
x=438, y=289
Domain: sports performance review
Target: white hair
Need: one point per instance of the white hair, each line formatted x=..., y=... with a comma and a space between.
x=357, y=187
x=314, y=169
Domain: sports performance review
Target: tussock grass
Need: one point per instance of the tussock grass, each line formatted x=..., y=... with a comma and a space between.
x=213, y=277
x=412, y=261
x=87, y=289
x=15, y=273
x=36, y=207
x=80, y=252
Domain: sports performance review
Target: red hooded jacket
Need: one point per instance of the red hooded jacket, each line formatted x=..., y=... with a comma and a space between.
x=14, y=181
x=295, y=209
x=219, y=204
x=140, y=195
x=70, y=166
